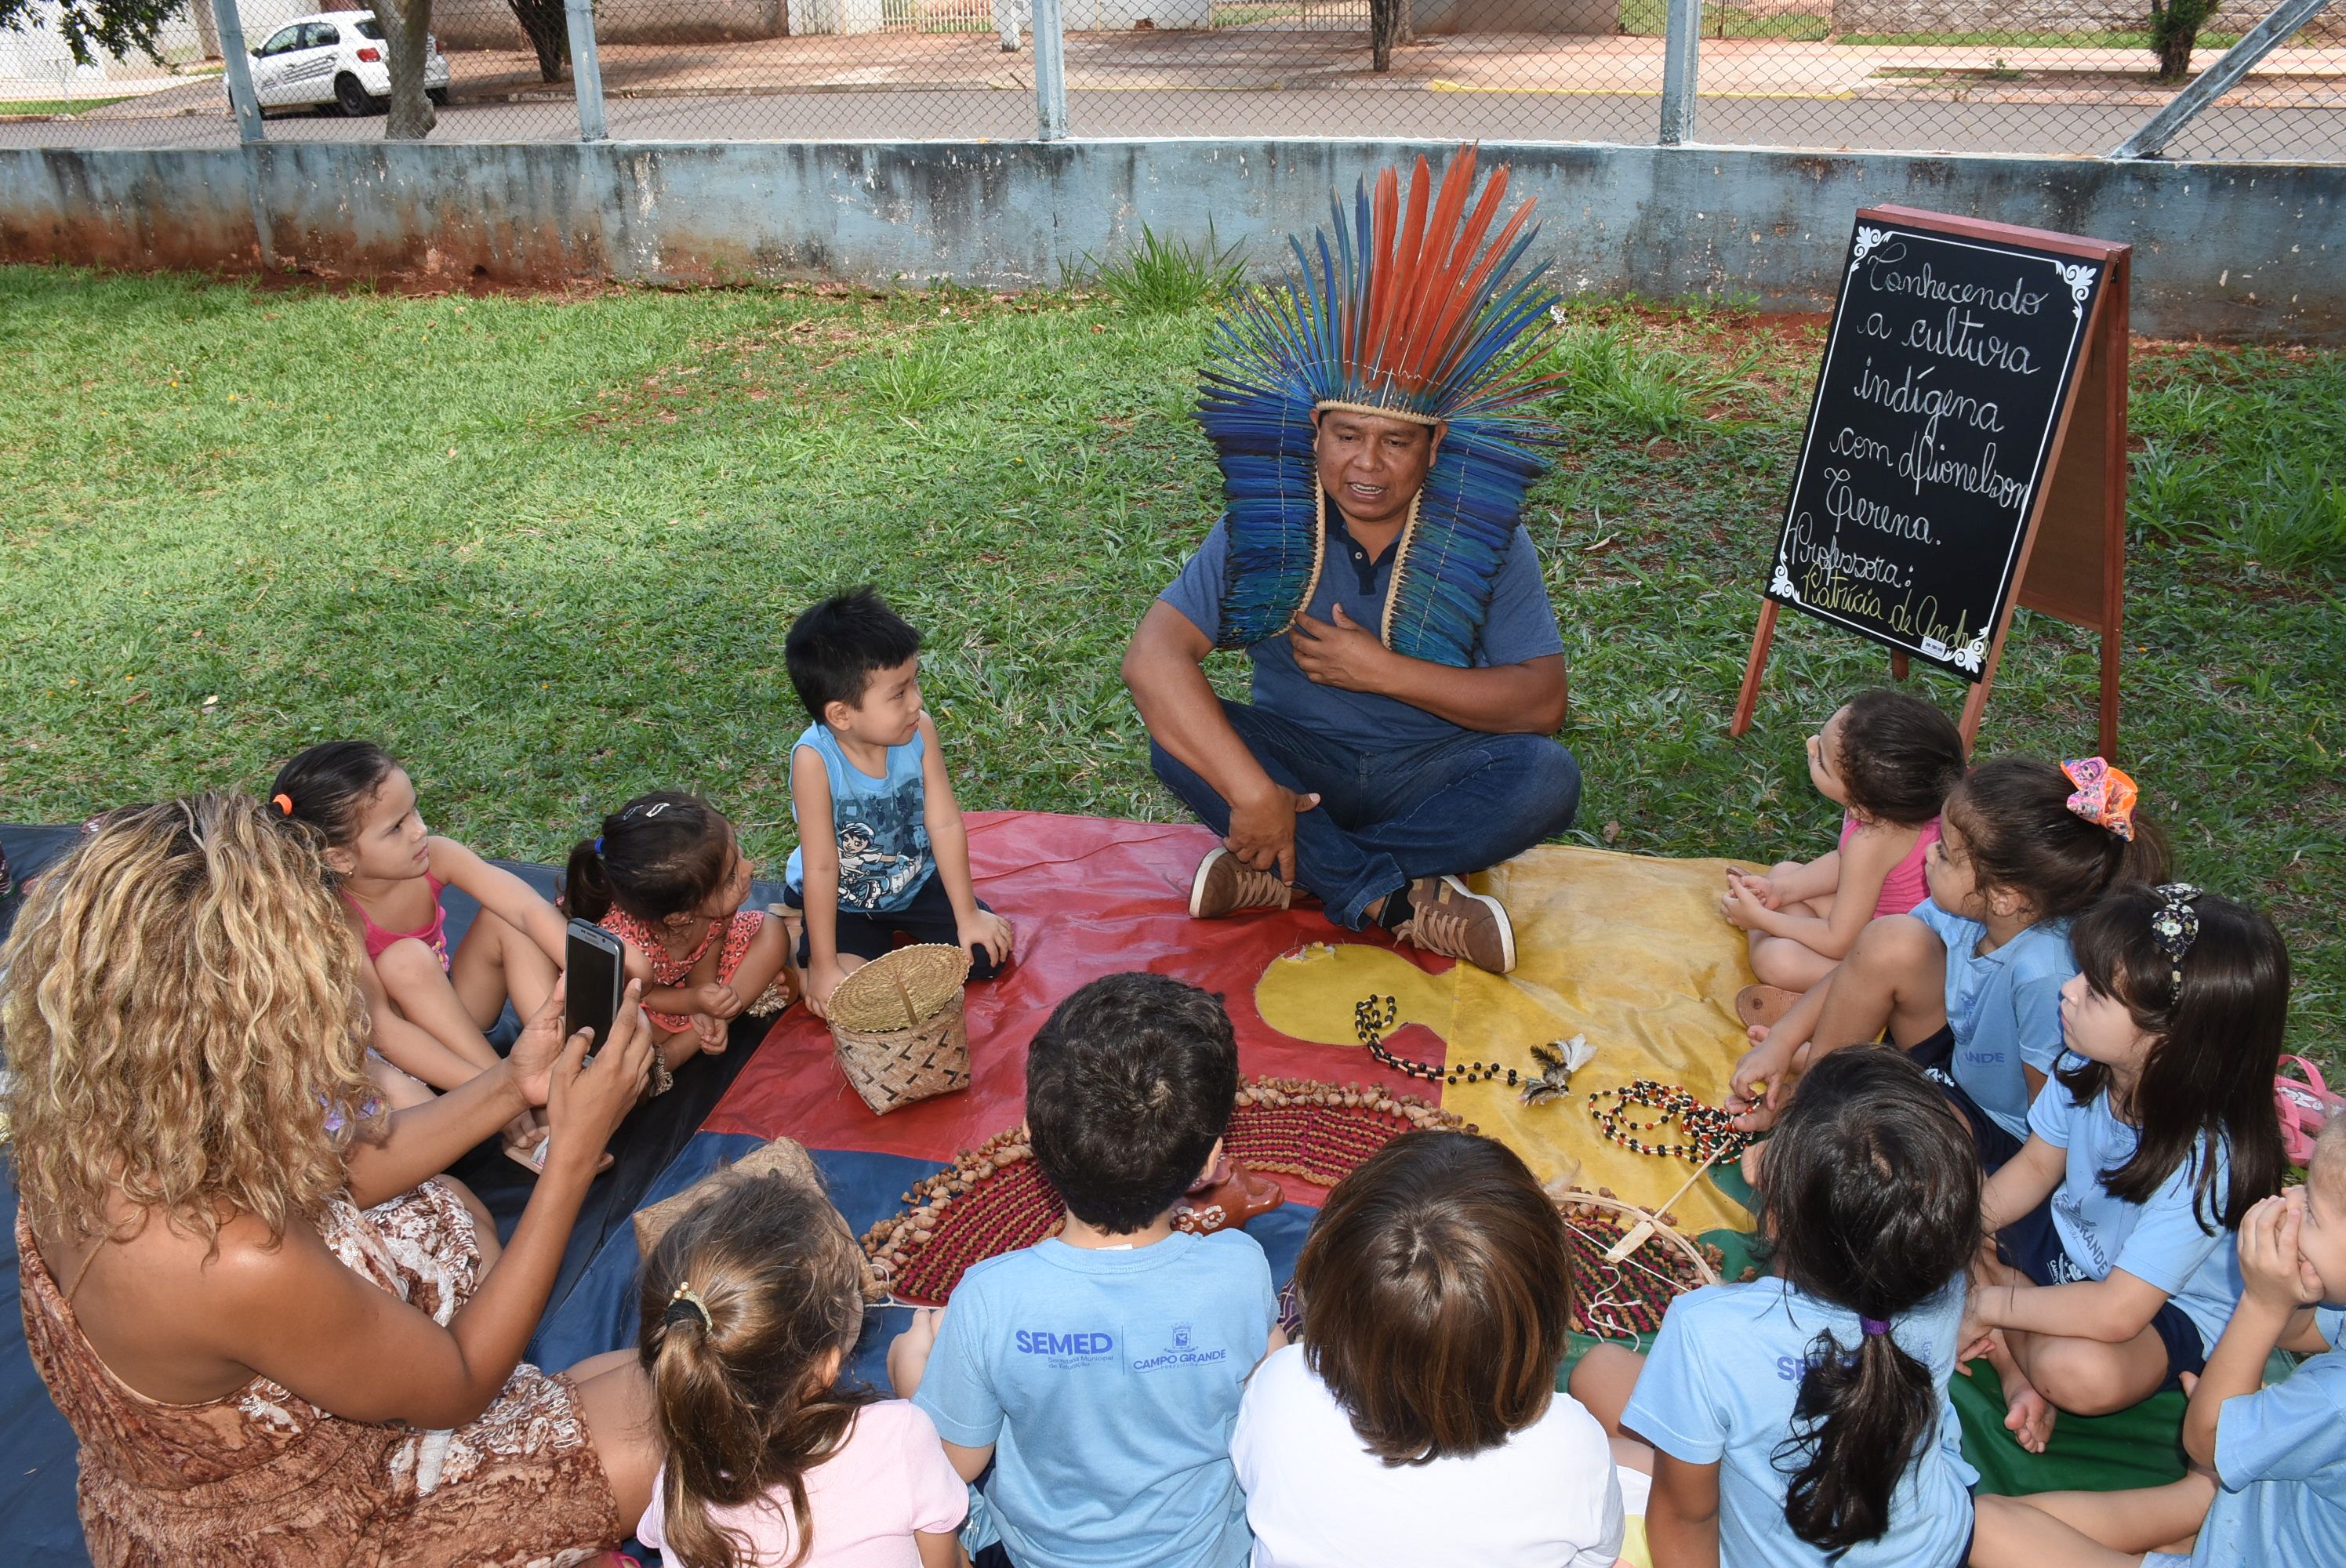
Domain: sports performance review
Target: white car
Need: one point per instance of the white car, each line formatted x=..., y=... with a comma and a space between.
x=336, y=57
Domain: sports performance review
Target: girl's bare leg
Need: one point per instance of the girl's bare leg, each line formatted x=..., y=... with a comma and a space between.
x=1894, y=978
x=2090, y=1528
x=497, y=962
x=1780, y=961
x=2088, y=1377
x=1603, y=1382
x=412, y=980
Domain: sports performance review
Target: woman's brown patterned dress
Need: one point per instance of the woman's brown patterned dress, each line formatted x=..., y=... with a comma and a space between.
x=266, y=1479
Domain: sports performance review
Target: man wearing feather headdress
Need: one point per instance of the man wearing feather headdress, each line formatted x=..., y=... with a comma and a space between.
x=1376, y=421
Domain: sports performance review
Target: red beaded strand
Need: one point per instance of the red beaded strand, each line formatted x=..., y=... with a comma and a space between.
x=1712, y=1132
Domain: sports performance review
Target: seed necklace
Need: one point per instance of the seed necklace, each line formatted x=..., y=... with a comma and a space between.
x=1373, y=1018
x=1710, y=1133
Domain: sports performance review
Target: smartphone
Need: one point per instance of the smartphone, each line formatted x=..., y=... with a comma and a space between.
x=597, y=973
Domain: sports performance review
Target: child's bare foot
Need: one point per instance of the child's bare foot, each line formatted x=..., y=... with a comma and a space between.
x=2027, y=1414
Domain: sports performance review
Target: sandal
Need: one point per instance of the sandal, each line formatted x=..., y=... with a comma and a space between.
x=2305, y=1105
x=1759, y=1006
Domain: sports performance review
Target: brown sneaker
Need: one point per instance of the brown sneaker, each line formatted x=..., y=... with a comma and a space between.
x=1225, y=884
x=1447, y=919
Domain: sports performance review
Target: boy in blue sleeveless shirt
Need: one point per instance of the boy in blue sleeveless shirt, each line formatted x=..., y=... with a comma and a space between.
x=1099, y=1371
x=881, y=849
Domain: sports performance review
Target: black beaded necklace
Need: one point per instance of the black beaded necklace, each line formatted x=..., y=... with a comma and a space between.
x=1375, y=1016
x=1710, y=1133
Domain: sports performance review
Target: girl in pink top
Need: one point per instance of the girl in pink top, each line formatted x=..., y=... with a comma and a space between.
x=750, y=1304
x=1889, y=760
x=430, y=1007
x=666, y=877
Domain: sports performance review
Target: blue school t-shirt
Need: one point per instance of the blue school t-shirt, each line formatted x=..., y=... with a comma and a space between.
x=881, y=825
x=2005, y=1008
x=2281, y=1460
x=1109, y=1381
x=2160, y=1242
x=1519, y=627
x=1720, y=1388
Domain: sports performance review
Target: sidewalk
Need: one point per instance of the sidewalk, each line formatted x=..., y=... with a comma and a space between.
x=1261, y=59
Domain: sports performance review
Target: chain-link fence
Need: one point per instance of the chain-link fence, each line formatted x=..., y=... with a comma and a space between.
x=2039, y=76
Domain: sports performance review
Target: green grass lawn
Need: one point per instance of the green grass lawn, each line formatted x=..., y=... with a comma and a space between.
x=20, y=107
x=545, y=550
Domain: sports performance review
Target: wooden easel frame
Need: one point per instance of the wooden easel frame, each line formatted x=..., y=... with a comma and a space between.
x=2072, y=559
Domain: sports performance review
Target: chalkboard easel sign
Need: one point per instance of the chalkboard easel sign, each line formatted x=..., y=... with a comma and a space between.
x=1965, y=449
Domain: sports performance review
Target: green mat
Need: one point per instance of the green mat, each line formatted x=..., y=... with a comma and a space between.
x=2139, y=1447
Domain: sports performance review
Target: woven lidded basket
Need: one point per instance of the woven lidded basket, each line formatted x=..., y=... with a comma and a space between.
x=898, y=1029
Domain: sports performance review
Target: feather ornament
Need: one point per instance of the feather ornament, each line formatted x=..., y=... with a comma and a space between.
x=1415, y=309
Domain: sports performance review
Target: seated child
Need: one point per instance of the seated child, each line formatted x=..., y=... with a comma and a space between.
x=667, y=876
x=881, y=849
x=1099, y=1371
x=2157, y=1137
x=1803, y=1418
x=1417, y=1422
x=2278, y=1454
x=1970, y=983
x=750, y=1303
x=431, y=1008
x=1889, y=760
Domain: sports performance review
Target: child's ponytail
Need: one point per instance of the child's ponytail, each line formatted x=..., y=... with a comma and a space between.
x=326, y=790
x=749, y=1303
x=720, y=1466
x=2060, y=836
x=586, y=885
x=1859, y=1418
x=661, y=854
x=1871, y=1193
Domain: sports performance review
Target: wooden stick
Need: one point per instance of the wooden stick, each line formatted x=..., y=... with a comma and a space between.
x=1748, y=700
x=1638, y=1233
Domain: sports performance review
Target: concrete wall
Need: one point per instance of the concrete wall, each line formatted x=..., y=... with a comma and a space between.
x=2238, y=250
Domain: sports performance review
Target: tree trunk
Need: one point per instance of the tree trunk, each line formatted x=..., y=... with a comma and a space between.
x=2174, y=32
x=1386, y=21
x=406, y=23
x=547, y=23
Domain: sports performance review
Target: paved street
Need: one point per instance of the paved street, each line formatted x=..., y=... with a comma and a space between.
x=1254, y=82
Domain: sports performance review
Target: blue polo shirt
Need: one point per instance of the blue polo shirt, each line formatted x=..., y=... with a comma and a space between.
x=2281, y=1460
x=1721, y=1385
x=1107, y=1381
x=2005, y=1008
x=2163, y=1241
x=1521, y=626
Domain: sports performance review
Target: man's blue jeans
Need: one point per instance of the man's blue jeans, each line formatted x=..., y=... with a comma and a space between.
x=1385, y=819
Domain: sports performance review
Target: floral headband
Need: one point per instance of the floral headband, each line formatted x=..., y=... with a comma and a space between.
x=2175, y=924
x=2105, y=796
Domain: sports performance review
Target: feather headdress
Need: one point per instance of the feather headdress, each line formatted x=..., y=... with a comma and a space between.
x=1410, y=313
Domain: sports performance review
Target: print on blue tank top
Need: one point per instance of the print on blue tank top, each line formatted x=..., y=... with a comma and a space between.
x=881, y=826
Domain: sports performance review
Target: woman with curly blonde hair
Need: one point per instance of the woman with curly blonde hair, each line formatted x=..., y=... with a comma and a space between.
x=277, y=1340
